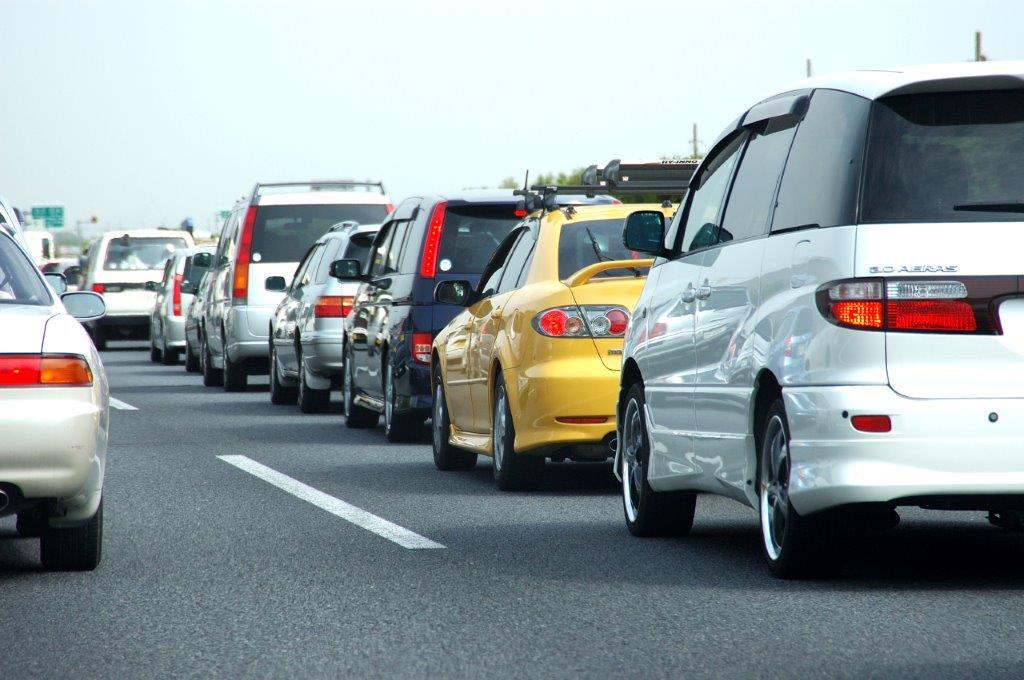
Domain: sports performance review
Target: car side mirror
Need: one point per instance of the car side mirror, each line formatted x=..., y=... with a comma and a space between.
x=73, y=276
x=57, y=282
x=347, y=270
x=644, y=232
x=202, y=260
x=275, y=284
x=84, y=305
x=151, y=285
x=456, y=293
x=188, y=288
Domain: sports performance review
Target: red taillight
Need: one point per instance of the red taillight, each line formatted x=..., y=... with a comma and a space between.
x=431, y=245
x=858, y=313
x=421, y=343
x=618, y=320
x=240, y=287
x=930, y=315
x=519, y=212
x=582, y=420
x=552, y=322
x=332, y=306
x=98, y=288
x=907, y=305
x=586, y=321
x=389, y=208
x=176, y=295
x=871, y=423
x=24, y=370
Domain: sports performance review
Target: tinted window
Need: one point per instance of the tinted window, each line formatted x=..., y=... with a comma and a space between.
x=380, y=249
x=945, y=157
x=192, y=273
x=470, y=235
x=819, y=185
x=581, y=244
x=20, y=282
x=749, y=209
x=358, y=247
x=401, y=229
x=282, y=233
x=704, y=210
x=128, y=253
x=517, y=259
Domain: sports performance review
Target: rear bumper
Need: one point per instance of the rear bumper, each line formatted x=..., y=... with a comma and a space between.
x=937, y=447
x=174, y=331
x=567, y=387
x=248, y=332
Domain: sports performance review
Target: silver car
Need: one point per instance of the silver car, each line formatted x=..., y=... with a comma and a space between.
x=174, y=294
x=54, y=412
x=194, y=332
x=851, y=333
x=306, y=328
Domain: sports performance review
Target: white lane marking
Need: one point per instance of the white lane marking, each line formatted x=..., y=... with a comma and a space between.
x=335, y=506
x=118, y=404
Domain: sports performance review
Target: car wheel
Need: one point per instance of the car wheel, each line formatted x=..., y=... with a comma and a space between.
x=30, y=523
x=398, y=426
x=311, y=400
x=356, y=416
x=154, y=354
x=446, y=456
x=99, y=339
x=75, y=548
x=169, y=357
x=192, y=364
x=212, y=376
x=794, y=546
x=236, y=377
x=280, y=393
x=512, y=471
x=648, y=512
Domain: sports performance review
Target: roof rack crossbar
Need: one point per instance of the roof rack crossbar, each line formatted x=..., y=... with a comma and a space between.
x=319, y=184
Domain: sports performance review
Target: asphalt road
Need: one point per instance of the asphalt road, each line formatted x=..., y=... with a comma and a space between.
x=209, y=570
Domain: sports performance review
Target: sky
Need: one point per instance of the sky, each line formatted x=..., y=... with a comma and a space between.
x=144, y=112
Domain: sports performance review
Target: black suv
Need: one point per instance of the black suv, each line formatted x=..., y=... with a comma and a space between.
x=389, y=332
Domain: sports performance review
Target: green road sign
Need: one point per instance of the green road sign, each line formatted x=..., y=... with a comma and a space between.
x=51, y=215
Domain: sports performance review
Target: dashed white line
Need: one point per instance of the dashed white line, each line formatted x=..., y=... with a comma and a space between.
x=121, y=406
x=335, y=506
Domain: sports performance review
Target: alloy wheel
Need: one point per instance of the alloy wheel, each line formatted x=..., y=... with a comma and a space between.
x=632, y=466
x=389, y=397
x=437, y=418
x=774, y=486
x=500, y=425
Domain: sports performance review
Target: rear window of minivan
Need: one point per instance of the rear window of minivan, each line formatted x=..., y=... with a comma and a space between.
x=470, y=235
x=945, y=157
x=283, y=233
x=129, y=253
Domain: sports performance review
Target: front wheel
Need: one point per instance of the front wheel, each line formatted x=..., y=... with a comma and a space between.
x=192, y=364
x=280, y=393
x=212, y=376
x=236, y=376
x=155, y=355
x=311, y=400
x=398, y=427
x=512, y=471
x=446, y=456
x=648, y=512
x=356, y=416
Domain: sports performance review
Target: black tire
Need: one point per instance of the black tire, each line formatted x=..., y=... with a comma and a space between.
x=399, y=426
x=647, y=512
x=280, y=394
x=99, y=339
x=155, y=355
x=446, y=456
x=73, y=549
x=30, y=523
x=212, y=376
x=794, y=546
x=356, y=416
x=192, y=364
x=236, y=374
x=311, y=400
x=512, y=471
x=169, y=357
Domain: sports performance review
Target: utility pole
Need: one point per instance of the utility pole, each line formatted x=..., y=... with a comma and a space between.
x=695, y=141
x=810, y=71
x=978, y=56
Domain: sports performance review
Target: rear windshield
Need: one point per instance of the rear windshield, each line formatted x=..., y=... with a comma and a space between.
x=945, y=157
x=582, y=244
x=129, y=253
x=192, y=273
x=283, y=233
x=20, y=283
x=470, y=235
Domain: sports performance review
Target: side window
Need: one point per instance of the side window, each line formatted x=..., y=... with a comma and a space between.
x=401, y=229
x=228, y=239
x=167, y=272
x=749, y=208
x=489, y=286
x=819, y=185
x=378, y=262
x=314, y=262
x=515, y=263
x=300, y=272
x=330, y=254
x=704, y=211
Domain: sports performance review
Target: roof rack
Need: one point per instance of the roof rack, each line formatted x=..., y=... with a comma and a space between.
x=664, y=177
x=319, y=185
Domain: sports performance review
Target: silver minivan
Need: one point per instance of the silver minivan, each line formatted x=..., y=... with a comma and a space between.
x=265, y=236
x=834, y=325
x=174, y=294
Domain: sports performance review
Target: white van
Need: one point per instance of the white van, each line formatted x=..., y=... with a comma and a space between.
x=40, y=246
x=118, y=267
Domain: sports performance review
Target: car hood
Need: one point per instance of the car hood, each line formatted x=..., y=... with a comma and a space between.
x=24, y=327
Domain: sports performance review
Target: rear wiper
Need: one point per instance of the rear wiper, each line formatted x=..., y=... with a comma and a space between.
x=601, y=256
x=993, y=206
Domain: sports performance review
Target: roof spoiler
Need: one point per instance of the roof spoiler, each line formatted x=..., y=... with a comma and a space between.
x=584, y=275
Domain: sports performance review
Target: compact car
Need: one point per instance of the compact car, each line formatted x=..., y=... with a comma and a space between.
x=834, y=323
x=174, y=294
x=529, y=369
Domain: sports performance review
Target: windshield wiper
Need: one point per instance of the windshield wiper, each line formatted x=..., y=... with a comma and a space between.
x=993, y=206
x=601, y=256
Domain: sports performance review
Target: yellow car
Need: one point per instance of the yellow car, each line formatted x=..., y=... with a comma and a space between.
x=530, y=369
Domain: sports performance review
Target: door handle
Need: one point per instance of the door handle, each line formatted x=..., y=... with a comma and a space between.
x=704, y=292
x=689, y=295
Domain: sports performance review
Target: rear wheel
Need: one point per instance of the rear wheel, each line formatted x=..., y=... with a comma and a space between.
x=212, y=377
x=311, y=400
x=169, y=357
x=356, y=416
x=446, y=456
x=794, y=546
x=155, y=355
x=75, y=548
x=648, y=512
x=236, y=377
x=512, y=471
x=279, y=393
x=99, y=338
x=192, y=364
x=398, y=427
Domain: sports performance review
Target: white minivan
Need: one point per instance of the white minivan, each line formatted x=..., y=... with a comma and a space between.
x=834, y=326
x=119, y=265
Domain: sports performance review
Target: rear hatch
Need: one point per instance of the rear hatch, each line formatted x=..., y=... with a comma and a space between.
x=943, y=181
x=598, y=299
x=129, y=263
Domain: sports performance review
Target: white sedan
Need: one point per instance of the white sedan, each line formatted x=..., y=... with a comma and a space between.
x=54, y=413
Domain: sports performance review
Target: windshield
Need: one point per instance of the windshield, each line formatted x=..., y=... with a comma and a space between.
x=19, y=280
x=945, y=157
x=470, y=235
x=582, y=244
x=283, y=233
x=129, y=253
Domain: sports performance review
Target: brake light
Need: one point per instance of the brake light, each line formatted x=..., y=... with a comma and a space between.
x=240, y=287
x=428, y=265
x=587, y=321
x=421, y=343
x=27, y=370
x=907, y=306
x=332, y=306
x=871, y=423
x=388, y=208
x=519, y=212
x=98, y=288
x=176, y=296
